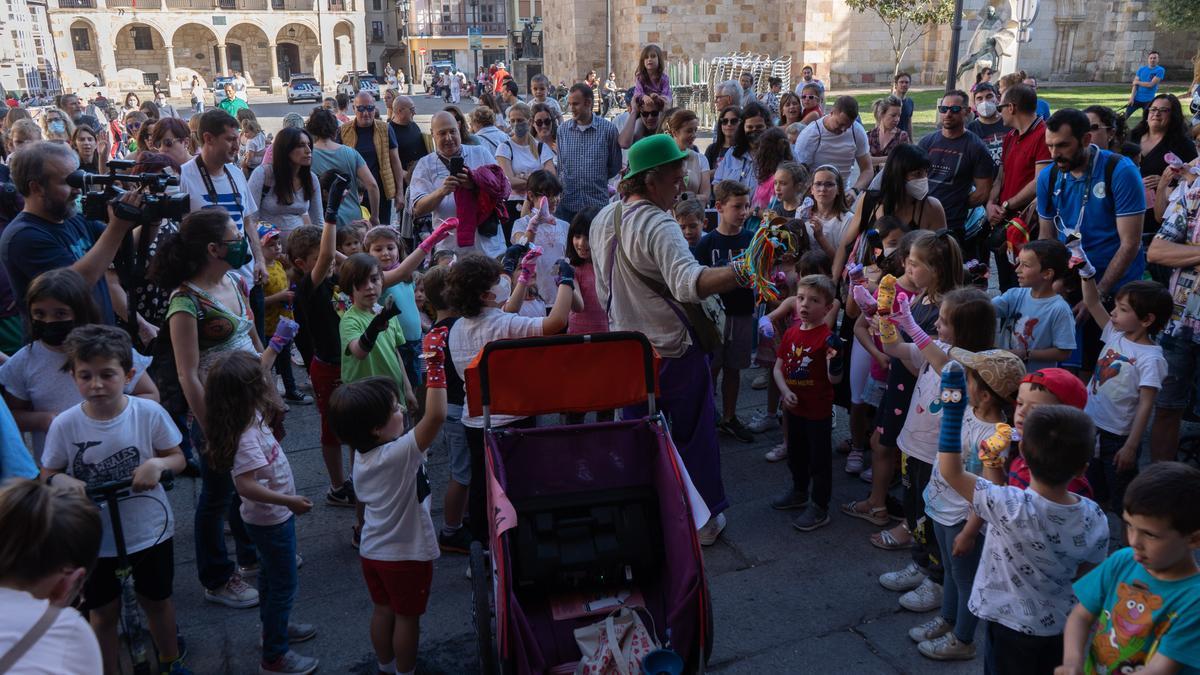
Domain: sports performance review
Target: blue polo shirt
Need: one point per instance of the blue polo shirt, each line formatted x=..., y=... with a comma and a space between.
x=1146, y=74
x=1126, y=197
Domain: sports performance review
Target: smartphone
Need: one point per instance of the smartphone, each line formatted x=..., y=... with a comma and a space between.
x=456, y=166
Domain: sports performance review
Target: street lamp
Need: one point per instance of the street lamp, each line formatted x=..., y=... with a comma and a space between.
x=404, y=6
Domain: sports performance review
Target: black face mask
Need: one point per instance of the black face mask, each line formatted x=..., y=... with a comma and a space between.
x=53, y=333
x=753, y=136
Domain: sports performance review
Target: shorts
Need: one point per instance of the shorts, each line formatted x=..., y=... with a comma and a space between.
x=893, y=407
x=452, y=440
x=737, y=344
x=400, y=585
x=325, y=378
x=873, y=393
x=153, y=576
x=1183, y=374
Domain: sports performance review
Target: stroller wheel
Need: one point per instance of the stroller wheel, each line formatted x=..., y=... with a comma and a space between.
x=481, y=581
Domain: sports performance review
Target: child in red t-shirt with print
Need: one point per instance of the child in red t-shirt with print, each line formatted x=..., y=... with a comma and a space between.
x=809, y=362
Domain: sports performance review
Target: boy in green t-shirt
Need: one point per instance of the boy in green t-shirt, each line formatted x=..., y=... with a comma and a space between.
x=1140, y=609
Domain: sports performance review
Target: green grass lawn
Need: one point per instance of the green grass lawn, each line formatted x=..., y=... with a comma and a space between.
x=1113, y=96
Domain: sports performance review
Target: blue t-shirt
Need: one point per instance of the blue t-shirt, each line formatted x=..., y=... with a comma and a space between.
x=31, y=245
x=1033, y=323
x=1146, y=74
x=1043, y=109
x=15, y=460
x=404, y=295
x=1138, y=616
x=1126, y=197
x=716, y=250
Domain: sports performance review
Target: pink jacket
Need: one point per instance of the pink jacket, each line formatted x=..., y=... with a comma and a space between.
x=473, y=207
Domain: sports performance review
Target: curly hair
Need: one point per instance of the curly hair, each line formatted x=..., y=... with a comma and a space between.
x=322, y=124
x=772, y=151
x=235, y=392
x=183, y=254
x=469, y=279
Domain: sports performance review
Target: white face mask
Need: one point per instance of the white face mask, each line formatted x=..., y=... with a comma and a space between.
x=917, y=188
x=502, y=289
x=986, y=108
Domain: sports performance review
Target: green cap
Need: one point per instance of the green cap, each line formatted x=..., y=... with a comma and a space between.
x=653, y=151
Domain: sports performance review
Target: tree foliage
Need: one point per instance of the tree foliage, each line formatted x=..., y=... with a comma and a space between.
x=908, y=21
x=1176, y=14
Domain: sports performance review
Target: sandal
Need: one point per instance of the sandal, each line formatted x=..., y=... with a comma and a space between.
x=875, y=515
x=885, y=540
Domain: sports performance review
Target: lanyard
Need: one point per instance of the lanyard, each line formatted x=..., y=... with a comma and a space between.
x=1087, y=194
x=212, y=190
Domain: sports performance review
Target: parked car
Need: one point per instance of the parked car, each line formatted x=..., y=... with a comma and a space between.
x=218, y=87
x=354, y=82
x=303, y=88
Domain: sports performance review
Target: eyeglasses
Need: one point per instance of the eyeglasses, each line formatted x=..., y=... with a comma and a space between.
x=954, y=109
x=542, y=122
x=729, y=121
x=364, y=108
x=1098, y=127
x=1002, y=106
x=1159, y=111
x=824, y=184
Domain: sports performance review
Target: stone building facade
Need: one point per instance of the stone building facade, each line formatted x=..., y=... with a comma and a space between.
x=1066, y=40
x=128, y=45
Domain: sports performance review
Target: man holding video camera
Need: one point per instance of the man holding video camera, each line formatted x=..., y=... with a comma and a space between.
x=49, y=234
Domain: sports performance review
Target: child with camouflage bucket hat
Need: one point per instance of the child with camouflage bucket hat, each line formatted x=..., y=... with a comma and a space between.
x=993, y=376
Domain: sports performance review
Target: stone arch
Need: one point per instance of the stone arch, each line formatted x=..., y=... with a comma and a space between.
x=344, y=58
x=139, y=64
x=87, y=53
x=195, y=49
x=304, y=38
x=255, y=50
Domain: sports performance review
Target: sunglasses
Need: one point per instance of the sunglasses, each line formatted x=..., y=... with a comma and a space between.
x=808, y=96
x=650, y=113
x=542, y=122
x=1098, y=127
x=364, y=108
x=955, y=109
x=1002, y=106
x=133, y=126
x=729, y=121
x=168, y=143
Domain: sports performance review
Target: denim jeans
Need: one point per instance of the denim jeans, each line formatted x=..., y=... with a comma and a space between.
x=960, y=574
x=218, y=501
x=283, y=366
x=277, y=583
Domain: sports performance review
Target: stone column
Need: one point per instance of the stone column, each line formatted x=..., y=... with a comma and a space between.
x=276, y=82
x=222, y=60
x=108, y=58
x=174, y=89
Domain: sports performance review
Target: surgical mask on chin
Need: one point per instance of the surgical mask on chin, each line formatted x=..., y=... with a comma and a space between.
x=502, y=289
x=986, y=109
x=918, y=188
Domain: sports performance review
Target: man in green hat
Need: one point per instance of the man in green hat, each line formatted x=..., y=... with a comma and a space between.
x=652, y=273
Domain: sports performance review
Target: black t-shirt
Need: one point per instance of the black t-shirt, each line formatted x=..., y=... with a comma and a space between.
x=31, y=245
x=456, y=390
x=716, y=250
x=992, y=136
x=365, y=145
x=1154, y=163
x=315, y=312
x=957, y=162
x=409, y=143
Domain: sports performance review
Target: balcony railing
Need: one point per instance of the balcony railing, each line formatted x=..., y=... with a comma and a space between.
x=226, y=5
x=77, y=4
x=134, y=4
x=458, y=28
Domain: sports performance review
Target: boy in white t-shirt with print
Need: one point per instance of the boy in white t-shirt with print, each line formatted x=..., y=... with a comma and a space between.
x=1126, y=380
x=399, y=541
x=1039, y=539
x=112, y=436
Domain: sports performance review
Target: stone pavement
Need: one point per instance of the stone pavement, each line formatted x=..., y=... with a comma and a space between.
x=783, y=601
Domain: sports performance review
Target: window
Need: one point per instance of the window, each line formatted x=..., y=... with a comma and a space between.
x=141, y=38
x=377, y=5
x=487, y=13
x=149, y=79
x=376, y=31
x=446, y=14
x=81, y=40
x=218, y=20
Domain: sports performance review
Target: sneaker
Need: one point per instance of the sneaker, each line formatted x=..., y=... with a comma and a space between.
x=904, y=580
x=924, y=598
x=947, y=648
x=933, y=628
x=734, y=427
x=790, y=499
x=297, y=359
x=297, y=398
x=175, y=667
x=297, y=632
x=866, y=476
x=760, y=421
x=759, y=383
x=712, y=529
x=235, y=593
x=343, y=496
x=458, y=541
x=812, y=518
x=777, y=453
x=290, y=663
x=854, y=461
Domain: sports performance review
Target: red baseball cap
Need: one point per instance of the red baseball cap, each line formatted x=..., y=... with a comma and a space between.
x=1066, y=387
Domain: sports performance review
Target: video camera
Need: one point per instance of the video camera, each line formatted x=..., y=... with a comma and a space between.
x=156, y=205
